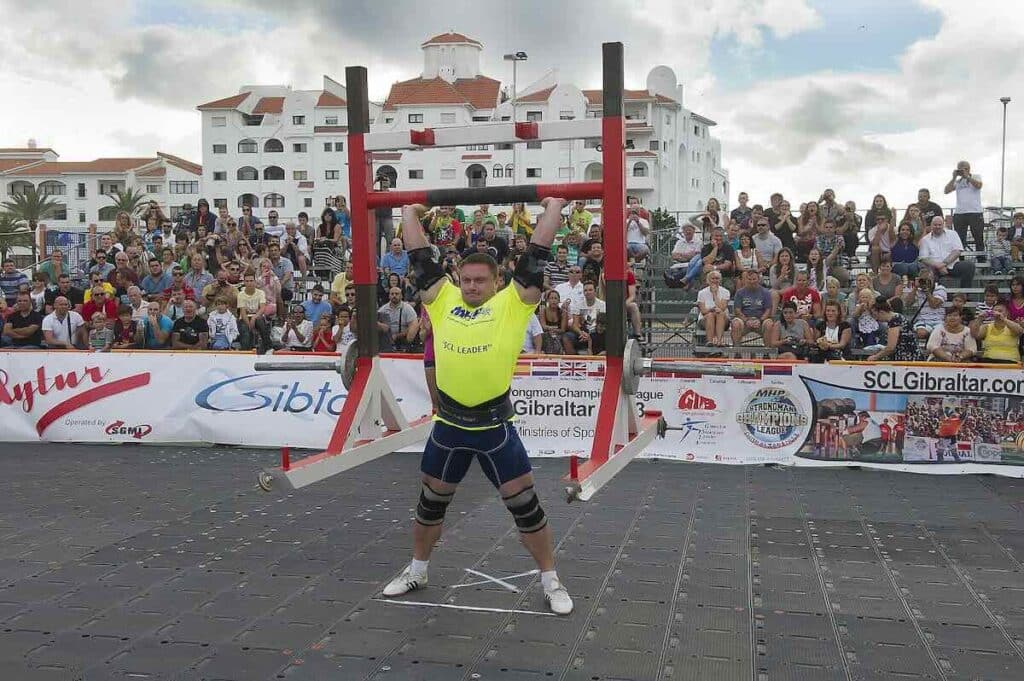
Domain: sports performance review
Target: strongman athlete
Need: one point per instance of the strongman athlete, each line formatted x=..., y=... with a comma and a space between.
x=478, y=332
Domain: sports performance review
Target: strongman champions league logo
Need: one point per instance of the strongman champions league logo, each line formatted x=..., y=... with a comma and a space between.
x=771, y=418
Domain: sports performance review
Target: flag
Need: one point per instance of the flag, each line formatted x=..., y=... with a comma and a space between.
x=777, y=369
x=596, y=369
x=522, y=368
x=572, y=368
x=542, y=368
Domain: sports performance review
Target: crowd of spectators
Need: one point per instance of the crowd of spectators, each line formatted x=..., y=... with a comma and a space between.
x=819, y=283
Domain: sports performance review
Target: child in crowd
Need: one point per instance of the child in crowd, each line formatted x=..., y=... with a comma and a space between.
x=960, y=304
x=983, y=311
x=999, y=253
x=323, y=339
x=124, y=328
x=101, y=338
x=597, y=336
x=865, y=325
x=223, y=326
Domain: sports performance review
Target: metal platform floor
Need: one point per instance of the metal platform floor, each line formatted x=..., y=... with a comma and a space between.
x=134, y=562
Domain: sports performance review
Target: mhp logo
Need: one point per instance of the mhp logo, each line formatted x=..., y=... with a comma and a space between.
x=469, y=315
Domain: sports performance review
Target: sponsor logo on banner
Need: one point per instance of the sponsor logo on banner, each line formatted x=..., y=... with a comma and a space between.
x=93, y=381
x=137, y=431
x=238, y=394
x=691, y=400
x=771, y=418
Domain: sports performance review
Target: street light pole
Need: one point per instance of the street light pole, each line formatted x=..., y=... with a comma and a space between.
x=1002, y=172
x=515, y=58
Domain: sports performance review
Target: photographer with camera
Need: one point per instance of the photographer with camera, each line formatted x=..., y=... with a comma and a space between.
x=968, y=204
x=930, y=298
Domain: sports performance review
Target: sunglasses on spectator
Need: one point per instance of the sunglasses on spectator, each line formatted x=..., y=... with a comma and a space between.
x=350, y=293
x=178, y=274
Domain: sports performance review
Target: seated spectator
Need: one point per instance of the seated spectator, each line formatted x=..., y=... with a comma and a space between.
x=101, y=336
x=1015, y=236
x=395, y=260
x=63, y=328
x=940, y=251
x=714, y=256
x=136, y=305
x=834, y=338
x=100, y=301
x=554, y=320
x=928, y=298
x=571, y=291
x=766, y=243
x=323, y=338
x=713, y=303
x=888, y=284
x=102, y=267
x=861, y=281
x=297, y=332
x=868, y=332
x=65, y=289
x=338, y=284
x=400, y=320
x=220, y=288
x=284, y=270
x=315, y=306
x=686, y=248
x=178, y=284
x=848, y=225
x=157, y=281
x=22, y=329
x=782, y=273
x=125, y=328
x=597, y=344
x=952, y=342
x=1015, y=301
x=40, y=285
x=593, y=263
x=905, y=252
x=175, y=307
x=11, y=281
x=816, y=270
x=54, y=267
x=785, y=225
x=999, y=253
x=556, y=271
x=632, y=306
x=637, y=231
x=806, y=299
x=753, y=308
x=832, y=294
x=533, y=341
x=900, y=340
x=343, y=331
x=831, y=245
x=792, y=336
x=1000, y=337
x=493, y=240
x=742, y=214
x=198, y=278
x=584, y=320
x=747, y=257
x=223, y=327
x=190, y=332
x=295, y=248
x=153, y=332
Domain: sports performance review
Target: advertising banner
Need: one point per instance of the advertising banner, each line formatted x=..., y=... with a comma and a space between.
x=906, y=417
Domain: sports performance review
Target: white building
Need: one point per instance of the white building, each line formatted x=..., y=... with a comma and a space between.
x=274, y=147
x=83, y=188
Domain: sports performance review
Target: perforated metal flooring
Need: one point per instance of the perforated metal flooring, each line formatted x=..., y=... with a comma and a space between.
x=166, y=563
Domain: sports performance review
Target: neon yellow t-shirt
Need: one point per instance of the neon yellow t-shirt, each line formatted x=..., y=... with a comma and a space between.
x=475, y=348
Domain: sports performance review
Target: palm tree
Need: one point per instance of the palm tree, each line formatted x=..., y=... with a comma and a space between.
x=31, y=207
x=129, y=200
x=13, y=233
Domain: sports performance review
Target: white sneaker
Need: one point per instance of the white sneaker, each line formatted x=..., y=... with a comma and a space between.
x=405, y=582
x=557, y=598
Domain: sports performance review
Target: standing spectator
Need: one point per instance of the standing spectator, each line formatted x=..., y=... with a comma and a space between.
x=830, y=245
x=254, y=329
x=284, y=271
x=315, y=306
x=268, y=282
x=879, y=208
x=502, y=227
x=400, y=318
x=396, y=260
x=752, y=307
x=828, y=208
x=999, y=253
x=557, y=271
x=1016, y=236
x=521, y=221
x=928, y=208
x=580, y=218
x=54, y=267
x=1000, y=337
x=584, y=321
x=64, y=288
x=344, y=219
x=204, y=218
x=220, y=288
x=952, y=342
x=637, y=231
x=155, y=329
x=785, y=226
x=63, y=328
x=774, y=208
x=198, y=278
x=492, y=240
x=11, y=281
x=807, y=230
x=905, y=253
x=713, y=303
x=741, y=214
x=710, y=218
x=593, y=265
x=929, y=298
x=444, y=228
x=157, y=281
x=191, y=331
x=881, y=238
x=806, y=299
x=967, y=212
x=223, y=327
x=940, y=250
x=102, y=267
x=24, y=326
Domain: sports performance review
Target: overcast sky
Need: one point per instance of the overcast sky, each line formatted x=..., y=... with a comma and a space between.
x=875, y=96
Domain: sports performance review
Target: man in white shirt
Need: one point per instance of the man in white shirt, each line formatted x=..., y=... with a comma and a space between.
x=64, y=328
x=584, y=320
x=571, y=292
x=637, y=229
x=940, y=250
x=273, y=227
x=967, y=212
x=533, y=341
x=139, y=309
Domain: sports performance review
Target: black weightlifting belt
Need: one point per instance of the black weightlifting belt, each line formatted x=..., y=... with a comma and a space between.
x=490, y=413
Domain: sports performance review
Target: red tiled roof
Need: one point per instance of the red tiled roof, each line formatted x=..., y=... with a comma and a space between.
x=231, y=102
x=450, y=37
x=100, y=165
x=480, y=92
x=152, y=172
x=476, y=157
x=329, y=99
x=12, y=163
x=596, y=97
x=387, y=156
x=539, y=96
x=269, y=105
x=330, y=128
x=179, y=162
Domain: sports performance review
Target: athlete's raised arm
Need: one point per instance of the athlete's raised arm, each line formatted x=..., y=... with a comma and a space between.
x=529, y=275
x=427, y=274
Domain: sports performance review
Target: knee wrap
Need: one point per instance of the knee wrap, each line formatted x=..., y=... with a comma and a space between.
x=525, y=509
x=432, y=506
x=530, y=266
x=425, y=271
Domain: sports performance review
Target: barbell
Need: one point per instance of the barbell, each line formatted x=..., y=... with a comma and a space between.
x=345, y=365
x=635, y=366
